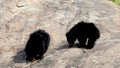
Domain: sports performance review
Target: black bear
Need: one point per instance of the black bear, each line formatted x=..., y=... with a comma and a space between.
x=85, y=33
x=37, y=45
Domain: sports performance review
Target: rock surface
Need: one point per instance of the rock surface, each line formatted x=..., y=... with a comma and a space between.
x=19, y=18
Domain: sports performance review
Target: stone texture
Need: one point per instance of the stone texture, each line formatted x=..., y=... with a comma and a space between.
x=19, y=18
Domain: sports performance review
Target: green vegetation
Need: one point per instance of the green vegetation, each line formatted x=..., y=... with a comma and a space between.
x=116, y=2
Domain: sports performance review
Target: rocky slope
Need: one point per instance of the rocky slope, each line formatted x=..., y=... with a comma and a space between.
x=19, y=18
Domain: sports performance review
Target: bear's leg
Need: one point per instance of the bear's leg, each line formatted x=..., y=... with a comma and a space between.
x=82, y=41
x=30, y=59
x=40, y=55
x=30, y=56
x=91, y=43
x=70, y=45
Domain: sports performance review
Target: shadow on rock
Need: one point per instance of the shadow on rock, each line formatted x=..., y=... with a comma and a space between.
x=20, y=57
x=65, y=46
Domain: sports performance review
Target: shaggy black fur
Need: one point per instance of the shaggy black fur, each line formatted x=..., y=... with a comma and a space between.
x=37, y=45
x=84, y=32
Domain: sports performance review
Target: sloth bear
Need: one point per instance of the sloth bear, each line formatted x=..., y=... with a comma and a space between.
x=37, y=45
x=85, y=33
